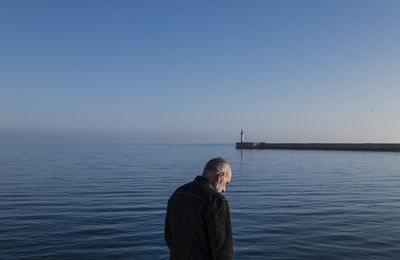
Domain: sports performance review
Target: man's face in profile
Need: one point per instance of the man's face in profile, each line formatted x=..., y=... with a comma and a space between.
x=225, y=179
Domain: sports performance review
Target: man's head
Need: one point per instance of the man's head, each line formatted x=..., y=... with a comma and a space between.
x=219, y=172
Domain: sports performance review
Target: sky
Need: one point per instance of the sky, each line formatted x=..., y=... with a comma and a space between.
x=199, y=71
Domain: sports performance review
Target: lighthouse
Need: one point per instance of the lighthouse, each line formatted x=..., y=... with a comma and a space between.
x=242, y=136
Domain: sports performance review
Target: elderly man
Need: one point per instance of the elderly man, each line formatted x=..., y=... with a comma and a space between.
x=198, y=224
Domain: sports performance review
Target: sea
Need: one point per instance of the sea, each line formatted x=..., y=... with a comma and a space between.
x=108, y=201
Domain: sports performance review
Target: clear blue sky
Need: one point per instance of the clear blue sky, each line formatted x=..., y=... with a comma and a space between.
x=200, y=71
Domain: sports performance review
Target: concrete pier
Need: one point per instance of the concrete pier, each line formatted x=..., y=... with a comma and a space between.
x=381, y=147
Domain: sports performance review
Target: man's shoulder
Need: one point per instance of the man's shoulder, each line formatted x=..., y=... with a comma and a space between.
x=219, y=201
x=189, y=187
x=200, y=191
x=192, y=188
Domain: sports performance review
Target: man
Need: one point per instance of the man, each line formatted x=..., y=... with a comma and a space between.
x=198, y=224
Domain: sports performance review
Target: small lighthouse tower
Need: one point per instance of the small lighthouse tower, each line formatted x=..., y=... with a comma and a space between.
x=242, y=136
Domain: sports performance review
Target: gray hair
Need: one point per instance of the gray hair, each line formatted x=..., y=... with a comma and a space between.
x=216, y=165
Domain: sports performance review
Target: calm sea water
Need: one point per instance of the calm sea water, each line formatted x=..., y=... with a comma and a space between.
x=108, y=201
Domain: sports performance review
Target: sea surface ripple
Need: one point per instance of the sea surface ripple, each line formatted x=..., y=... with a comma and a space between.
x=108, y=201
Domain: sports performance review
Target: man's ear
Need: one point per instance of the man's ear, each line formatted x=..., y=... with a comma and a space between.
x=220, y=176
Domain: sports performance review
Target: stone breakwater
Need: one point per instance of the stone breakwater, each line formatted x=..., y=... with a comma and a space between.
x=382, y=147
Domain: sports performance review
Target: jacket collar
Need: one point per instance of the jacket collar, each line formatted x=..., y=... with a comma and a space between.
x=205, y=181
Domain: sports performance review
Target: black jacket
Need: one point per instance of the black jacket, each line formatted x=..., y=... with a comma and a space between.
x=198, y=224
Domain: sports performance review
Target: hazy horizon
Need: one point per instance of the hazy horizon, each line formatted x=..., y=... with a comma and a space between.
x=199, y=72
